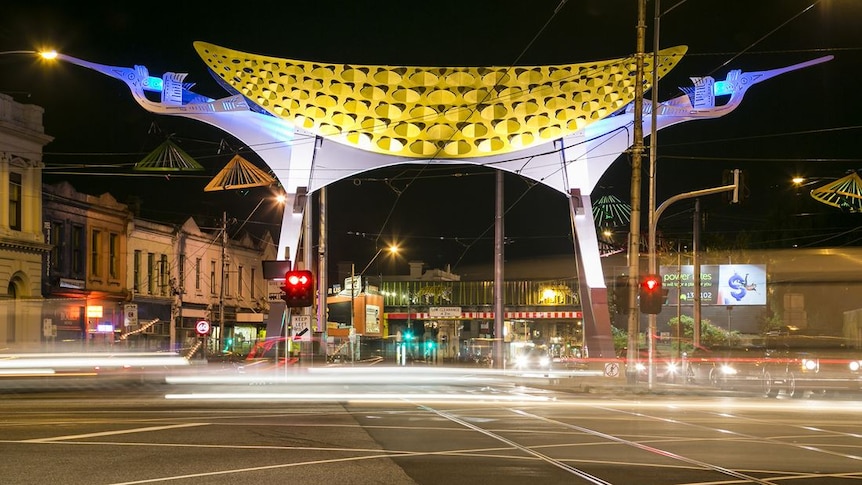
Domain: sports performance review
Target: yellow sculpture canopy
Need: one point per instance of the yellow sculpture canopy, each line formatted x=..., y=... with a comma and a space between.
x=435, y=112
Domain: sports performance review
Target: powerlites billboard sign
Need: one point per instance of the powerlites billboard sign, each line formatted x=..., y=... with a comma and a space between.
x=720, y=284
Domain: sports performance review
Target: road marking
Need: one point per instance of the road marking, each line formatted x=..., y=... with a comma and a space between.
x=651, y=449
x=110, y=433
x=557, y=463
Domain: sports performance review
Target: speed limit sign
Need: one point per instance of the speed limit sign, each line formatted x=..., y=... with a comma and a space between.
x=202, y=327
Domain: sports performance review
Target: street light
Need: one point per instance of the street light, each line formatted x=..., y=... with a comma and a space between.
x=393, y=249
x=47, y=55
x=279, y=201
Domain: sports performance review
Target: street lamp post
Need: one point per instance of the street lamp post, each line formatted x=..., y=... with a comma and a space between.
x=353, y=276
x=47, y=55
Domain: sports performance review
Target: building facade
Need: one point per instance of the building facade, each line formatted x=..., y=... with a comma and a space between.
x=220, y=279
x=22, y=244
x=115, y=281
x=85, y=272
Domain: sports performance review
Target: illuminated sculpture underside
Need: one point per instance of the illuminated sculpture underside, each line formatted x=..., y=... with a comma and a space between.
x=433, y=112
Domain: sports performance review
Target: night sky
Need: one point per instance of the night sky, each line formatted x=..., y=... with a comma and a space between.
x=805, y=122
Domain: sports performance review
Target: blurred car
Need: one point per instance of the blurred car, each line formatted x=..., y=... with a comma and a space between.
x=800, y=363
x=728, y=366
x=532, y=359
x=666, y=369
x=571, y=358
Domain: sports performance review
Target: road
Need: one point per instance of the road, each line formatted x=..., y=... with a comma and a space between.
x=429, y=426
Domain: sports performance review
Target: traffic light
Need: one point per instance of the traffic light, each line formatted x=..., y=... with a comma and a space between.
x=651, y=294
x=740, y=192
x=298, y=289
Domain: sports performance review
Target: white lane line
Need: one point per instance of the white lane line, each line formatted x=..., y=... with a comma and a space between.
x=547, y=459
x=110, y=433
x=651, y=449
x=260, y=468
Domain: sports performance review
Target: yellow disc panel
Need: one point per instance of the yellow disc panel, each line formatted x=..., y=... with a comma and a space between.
x=435, y=112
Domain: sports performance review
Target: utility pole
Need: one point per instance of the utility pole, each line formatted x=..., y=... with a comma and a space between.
x=499, y=278
x=653, y=147
x=634, y=233
x=352, y=330
x=695, y=251
x=221, y=284
x=322, y=279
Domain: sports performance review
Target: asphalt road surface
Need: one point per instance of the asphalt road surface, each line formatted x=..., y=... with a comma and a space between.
x=395, y=426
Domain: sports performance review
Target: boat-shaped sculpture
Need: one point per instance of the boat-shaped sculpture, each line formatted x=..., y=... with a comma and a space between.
x=562, y=126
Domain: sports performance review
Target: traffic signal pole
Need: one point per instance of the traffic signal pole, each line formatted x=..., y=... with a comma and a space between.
x=653, y=266
x=651, y=214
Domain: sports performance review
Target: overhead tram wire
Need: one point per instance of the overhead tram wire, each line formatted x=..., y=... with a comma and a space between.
x=743, y=51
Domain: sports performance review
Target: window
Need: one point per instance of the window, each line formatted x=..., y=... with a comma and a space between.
x=181, y=273
x=164, y=273
x=57, y=241
x=252, y=284
x=77, y=251
x=15, y=198
x=114, y=256
x=136, y=268
x=198, y=274
x=213, y=277
x=95, y=253
x=226, y=282
x=239, y=282
x=151, y=273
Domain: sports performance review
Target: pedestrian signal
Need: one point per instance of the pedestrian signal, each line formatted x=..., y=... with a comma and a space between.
x=651, y=295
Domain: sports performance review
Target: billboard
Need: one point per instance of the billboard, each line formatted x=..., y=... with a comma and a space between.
x=720, y=284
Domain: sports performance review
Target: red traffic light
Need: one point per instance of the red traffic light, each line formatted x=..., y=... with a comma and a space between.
x=294, y=278
x=652, y=283
x=298, y=288
x=651, y=295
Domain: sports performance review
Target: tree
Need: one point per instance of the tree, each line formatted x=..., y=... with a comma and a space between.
x=710, y=334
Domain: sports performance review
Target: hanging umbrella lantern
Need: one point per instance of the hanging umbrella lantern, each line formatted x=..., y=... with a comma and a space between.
x=844, y=193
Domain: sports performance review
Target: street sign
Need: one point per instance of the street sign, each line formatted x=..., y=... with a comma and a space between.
x=202, y=327
x=353, y=284
x=301, y=327
x=130, y=312
x=444, y=311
